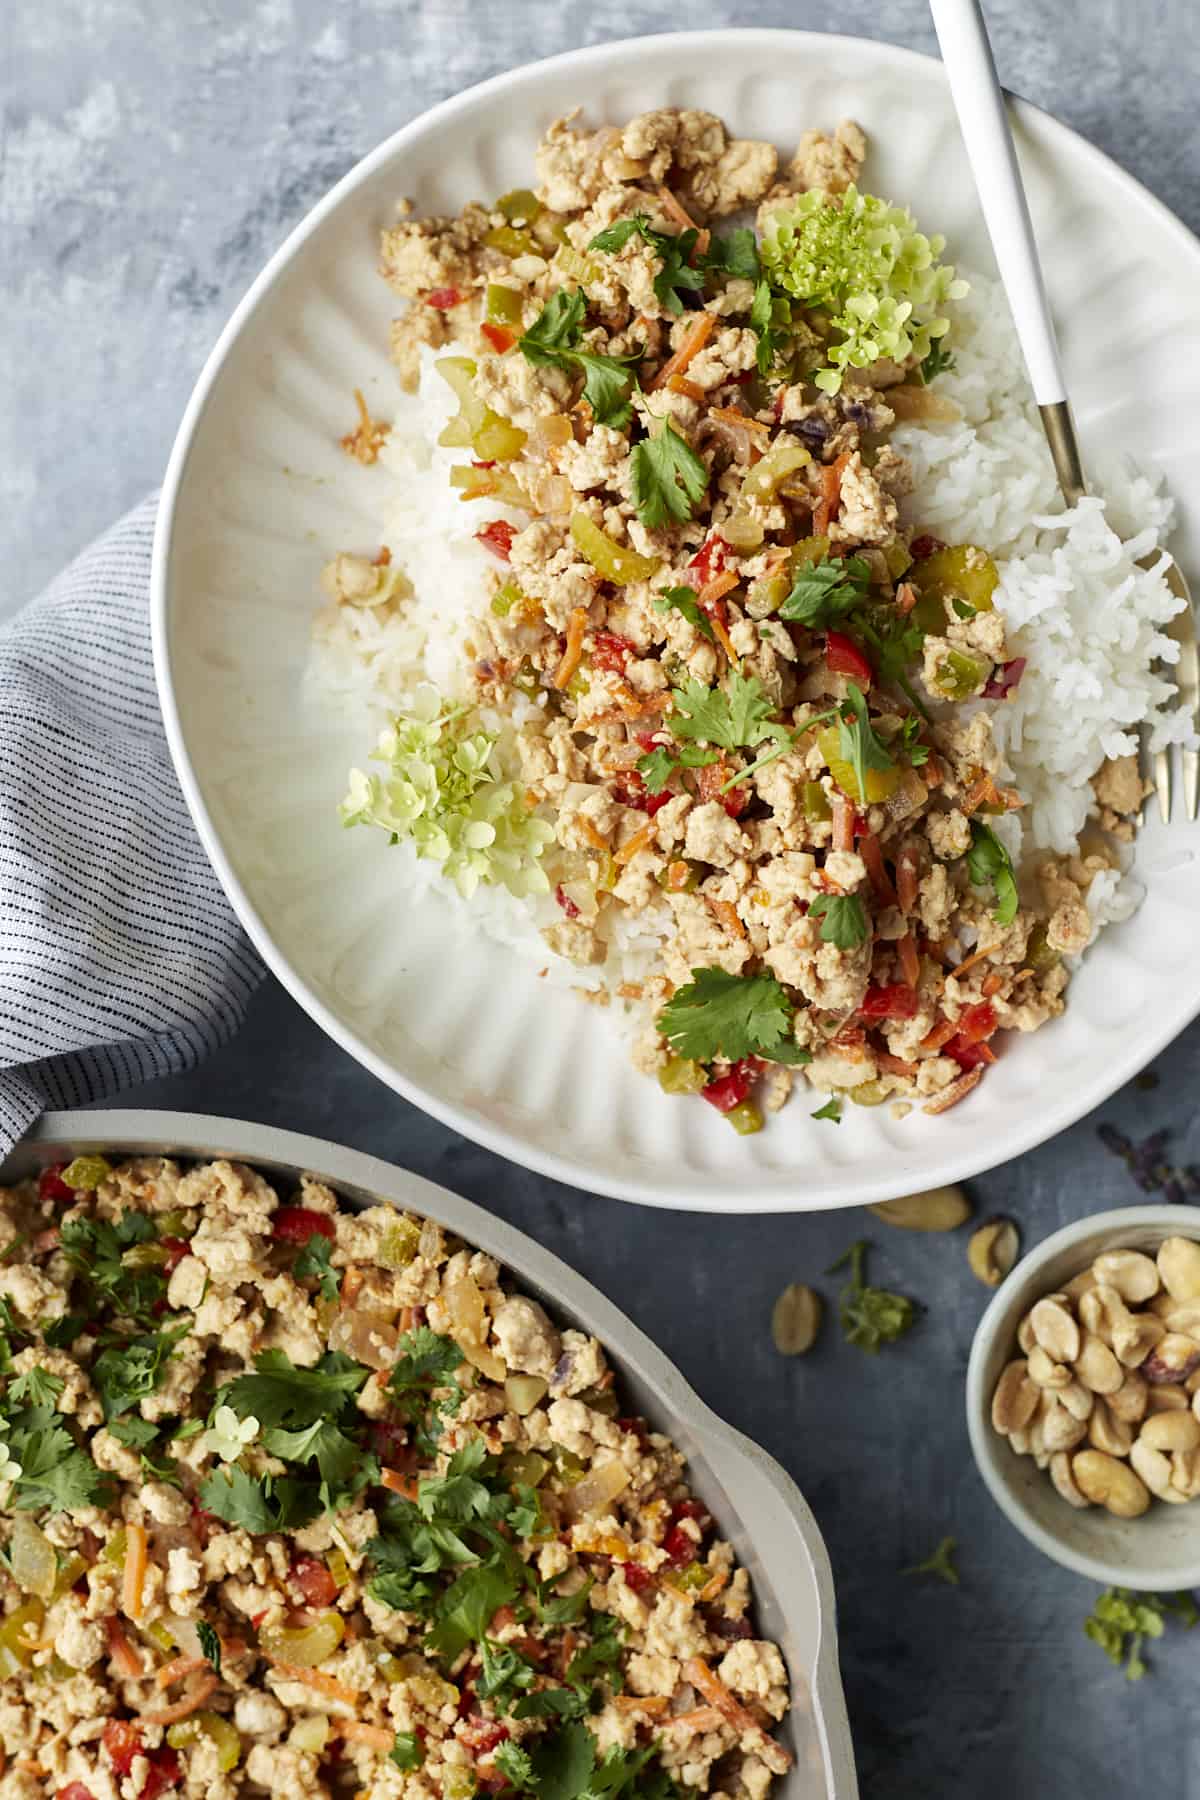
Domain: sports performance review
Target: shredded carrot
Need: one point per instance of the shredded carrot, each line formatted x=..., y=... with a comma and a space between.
x=941, y=1034
x=991, y=985
x=728, y=416
x=677, y=211
x=700, y=1718
x=183, y=1709
x=352, y=1282
x=678, y=875
x=576, y=628
x=127, y=1659
x=175, y=1671
x=958, y=1090
x=982, y=791
x=831, y=487
x=654, y=1704
x=1023, y=975
x=408, y=1318
x=588, y=830
x=137, y=1544
x=697, y=1671
x=843, y=824
x=639, y=841
x=679, y=384
x=398, y=1483
x=692, y=344
x=906, y=598
x=354, y=1731
x=367, y=439
x=721, y=633
x=976, y=956
x=727, y=913
x=931, y=770
x=315, y=1679
x=895, y=1065
x=907, y=881
x=872, y=854
x=713, y=1587
x=910, y=962
x=719, y=585
x=987, y=1053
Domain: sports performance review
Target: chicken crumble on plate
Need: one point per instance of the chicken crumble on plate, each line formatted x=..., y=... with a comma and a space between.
x=717, y=695
x=309, y=1501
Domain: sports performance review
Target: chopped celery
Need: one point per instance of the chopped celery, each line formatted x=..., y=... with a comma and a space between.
x=497, y=439
x=898, y=558
x=86, y=1172
x=880, y=782
x=510, y=241
x=505, y=598
x=570, y=1468
x=526, y=680
x=503, y=304
x=783, y=459
x=957, y=677
x=957, y=572
x=17, y=1636
x=520, y=207
x=574, y=265
x=488, y=484
x=1038, y=953
x=807, y=551
x=816, y=802
x=613, y=560
x=524, y=1468
x=869, y=1093
x=398, y=1244
x=681, y=1076
x=601, y=1400
x=746, y=1119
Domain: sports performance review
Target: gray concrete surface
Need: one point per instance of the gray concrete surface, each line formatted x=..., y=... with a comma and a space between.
x=153, y=154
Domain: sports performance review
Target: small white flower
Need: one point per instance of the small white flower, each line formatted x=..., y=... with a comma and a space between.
x=10, y=1472
x=228, y=1435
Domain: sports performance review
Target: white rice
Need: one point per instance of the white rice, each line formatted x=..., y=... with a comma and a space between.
x=1087, y=618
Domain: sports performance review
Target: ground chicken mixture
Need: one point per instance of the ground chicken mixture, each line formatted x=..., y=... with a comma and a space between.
x=312, y=1502
x=748, y=712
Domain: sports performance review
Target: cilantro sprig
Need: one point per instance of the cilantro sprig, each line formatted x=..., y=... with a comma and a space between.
x=988, y=861
x=870, y=1316
x=940, y=1563
x=56, y=1474
x=554, y=340
x=667, y=479
x=843, y=919
x=733, y=1016
x=97, y=1249
x=858, y=743
x=825, y=591
x=735, y=717
x=1121, y=1620
x=684, y=600
x=674, y=252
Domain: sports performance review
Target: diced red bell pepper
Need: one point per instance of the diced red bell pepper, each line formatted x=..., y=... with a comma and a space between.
x=177, y=1249
x=498, y=336
x=924, y=546
x=730, y=1090
x=966, y=1054
x=498, y=538
x=631, y=791
x=389, y=1441
x=565, y=901
x=843, y=657
x=483, y=1735
x=709, y=560
x=51, y=1186
x=444, y=298
x=709, y=782
x=1005, y=679
x=165, y=1772
x=314, y=1581
x=895, y=1000
x=691, y=1509
x=74, y=1790
x=681, y=1547
x=296, y=1224
x=977, y=1022
x=636, y=1577
x=611, y=651
x=123, y=1741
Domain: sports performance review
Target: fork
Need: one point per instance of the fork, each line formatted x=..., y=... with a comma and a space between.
x=983, y=120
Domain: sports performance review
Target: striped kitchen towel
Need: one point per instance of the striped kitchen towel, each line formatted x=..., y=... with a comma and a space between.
x=120, y=958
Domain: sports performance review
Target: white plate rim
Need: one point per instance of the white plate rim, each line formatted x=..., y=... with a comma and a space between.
x=951, y=1166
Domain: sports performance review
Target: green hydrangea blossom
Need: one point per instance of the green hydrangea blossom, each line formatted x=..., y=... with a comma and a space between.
x=863, y=263
x=445, y=792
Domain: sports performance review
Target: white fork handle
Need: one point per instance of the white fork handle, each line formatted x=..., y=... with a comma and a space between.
x=979, y=100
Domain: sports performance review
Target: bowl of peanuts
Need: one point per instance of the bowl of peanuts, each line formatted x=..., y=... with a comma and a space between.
x=1083, y=1397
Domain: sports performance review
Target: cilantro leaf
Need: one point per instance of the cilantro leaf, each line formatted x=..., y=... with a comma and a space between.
x=736, y=254
x=910, y=733
x=210, y=1643
x=1121, y=1619
x=338, y=1458
x=37, y=1387
x=657, y=766
x=60, y=1334
x=857, y=743
x=936, y=363
x=556, y=328
x=683, y=600
x=826, y=590
x=55, y=1472
x=552, y=1703
x=461, y=1615
x=667, y=478
x=940, y=1563
x=459, y=1494
x=608, y=385
x=601, y=1658
x=736, y=717
x=314, y=1260
x=408, y=1752
x=673, y=253
x=988, y=860
x=134, y=1433
x=280, y=1394
x=127, y=1371
x=843, y=921
x=769, y=319
x=718, y=1014
x=96, y=1251
x=832, y=1109
x=505, y=1673
x=870, y=1316
x=514, y=1764
x=259, y=1504
x=562, y=1609
x=563, y=1764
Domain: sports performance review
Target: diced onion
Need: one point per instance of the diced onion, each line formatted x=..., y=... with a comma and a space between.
x=304, y=1646
x=32, y=1559
x=468, y=1321
x=369, y=1337
x=523, y=1392
x=598, y=1488
x=548, y=434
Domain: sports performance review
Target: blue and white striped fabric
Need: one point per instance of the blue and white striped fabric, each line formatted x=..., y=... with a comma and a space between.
x=120, y=958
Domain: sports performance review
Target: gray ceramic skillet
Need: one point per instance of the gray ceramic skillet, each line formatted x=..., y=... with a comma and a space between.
x=758, y=1507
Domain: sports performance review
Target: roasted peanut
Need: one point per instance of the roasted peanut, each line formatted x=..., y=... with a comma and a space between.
x=1168, y=1397
x=1152, y=1467
x=1178, y=1315
x=1046, y=1372
x=935, y=1209
x=1173, y=1358
x=1060, y=1430
x=1025, y=1337
x=1110, y=1483
x=796, y=1319
x=1015, y=1399
x=1077, y=1399
x=1171, y=1431
x=1055, y=1330
x=1097, y=1367
x=1135, y=1337
x=1108, y=1433
x=1179, y=1266
x=1064, y=1480
x=1101, y=1310
x=1129, y=1401
x=1185, y=1473
x=1078, y=1286
x=993, y=1250
x=1134, y=1275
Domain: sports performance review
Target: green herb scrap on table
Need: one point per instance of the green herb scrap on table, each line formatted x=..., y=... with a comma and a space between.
x=300, y=1498
x=710, y=703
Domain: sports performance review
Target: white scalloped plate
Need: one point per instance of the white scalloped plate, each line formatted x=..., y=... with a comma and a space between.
x=257, y=493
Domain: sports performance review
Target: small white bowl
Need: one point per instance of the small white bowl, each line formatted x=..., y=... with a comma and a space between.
x=1161, y=1550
